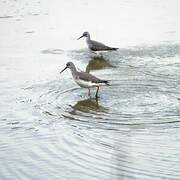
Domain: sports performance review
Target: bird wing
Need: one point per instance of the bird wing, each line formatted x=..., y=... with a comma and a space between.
x=89, y=77
x=97, y=46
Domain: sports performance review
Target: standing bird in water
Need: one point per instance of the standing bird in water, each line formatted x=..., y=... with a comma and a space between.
x=84, y=79
x=95, y=45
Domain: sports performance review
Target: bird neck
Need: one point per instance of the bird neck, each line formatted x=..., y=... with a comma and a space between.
x=73, y=70
x=88, y=38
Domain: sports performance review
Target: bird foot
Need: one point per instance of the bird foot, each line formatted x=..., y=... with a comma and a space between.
x=97, y=97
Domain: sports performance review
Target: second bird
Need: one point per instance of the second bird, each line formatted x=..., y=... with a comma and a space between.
x=95, y=45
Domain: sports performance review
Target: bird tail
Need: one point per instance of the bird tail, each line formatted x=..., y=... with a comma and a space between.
x=106, y=82
x=114, y=49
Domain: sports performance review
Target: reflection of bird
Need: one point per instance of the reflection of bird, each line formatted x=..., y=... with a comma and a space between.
x=95, y=45
x=87, y=105
x=84, y=79
x=97, y=63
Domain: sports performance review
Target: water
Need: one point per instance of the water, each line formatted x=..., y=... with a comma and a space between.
x=50, y=129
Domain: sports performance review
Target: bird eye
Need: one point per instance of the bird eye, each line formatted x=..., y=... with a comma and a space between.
x=68, y=64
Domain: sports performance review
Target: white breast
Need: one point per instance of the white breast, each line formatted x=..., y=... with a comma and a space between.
x=85, y=84
x=89, y=43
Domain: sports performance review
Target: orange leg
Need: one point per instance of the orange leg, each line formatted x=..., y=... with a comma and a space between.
x=97, y=91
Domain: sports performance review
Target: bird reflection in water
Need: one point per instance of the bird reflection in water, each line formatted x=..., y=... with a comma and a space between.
x=97, y=63
x=88, y=105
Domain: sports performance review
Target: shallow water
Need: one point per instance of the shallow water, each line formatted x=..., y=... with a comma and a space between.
x=50, y=129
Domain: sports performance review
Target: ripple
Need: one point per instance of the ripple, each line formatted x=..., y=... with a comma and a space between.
x=5, y=17
x=51, y=129
x=52, y=51
x=130, y=131
x=139, y=105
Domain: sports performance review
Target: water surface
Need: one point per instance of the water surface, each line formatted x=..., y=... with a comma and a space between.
x=50, y=128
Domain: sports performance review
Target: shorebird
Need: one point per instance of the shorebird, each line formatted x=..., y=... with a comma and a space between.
x=95, y=45
x=84, y=79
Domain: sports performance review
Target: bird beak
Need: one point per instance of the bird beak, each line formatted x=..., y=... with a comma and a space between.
x=64, y=69
x=80, y=37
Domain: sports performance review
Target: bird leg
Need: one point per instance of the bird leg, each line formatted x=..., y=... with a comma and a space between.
x=97, y=91
x=88, y=91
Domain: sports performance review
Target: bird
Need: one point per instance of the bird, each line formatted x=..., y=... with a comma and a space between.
x=84, y=79
x=95, y=45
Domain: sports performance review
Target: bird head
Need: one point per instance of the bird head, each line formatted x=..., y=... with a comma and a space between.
x=69, y=65
x=85, y=34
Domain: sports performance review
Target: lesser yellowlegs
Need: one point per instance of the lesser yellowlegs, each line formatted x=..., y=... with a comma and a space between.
x=84, y=79
x=95, y=45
